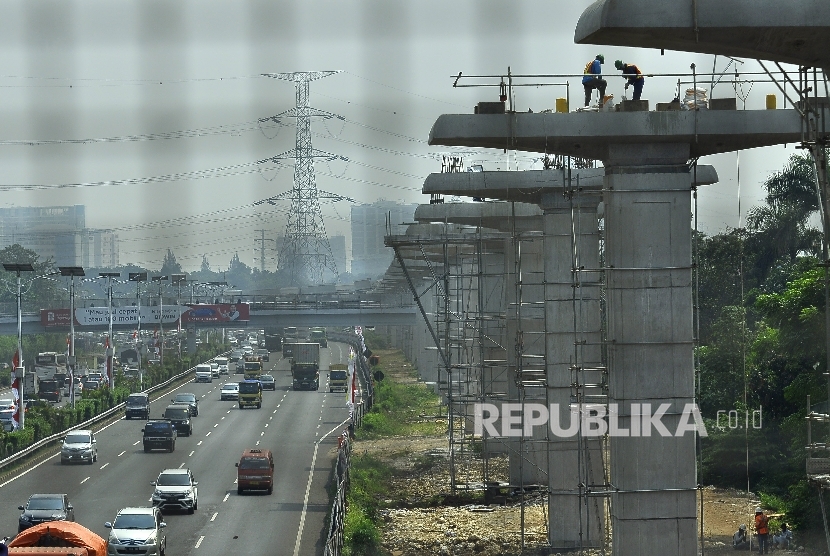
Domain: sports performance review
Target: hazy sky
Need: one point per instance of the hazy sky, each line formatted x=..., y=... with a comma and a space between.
x=96, y=69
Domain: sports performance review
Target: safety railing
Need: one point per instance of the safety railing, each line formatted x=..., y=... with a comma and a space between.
x=17, y=456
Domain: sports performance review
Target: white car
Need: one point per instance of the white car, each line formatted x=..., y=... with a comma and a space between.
x=176, y=489
x=230, y=391
x=223, y=365
x=214, y=369
x=137, y=530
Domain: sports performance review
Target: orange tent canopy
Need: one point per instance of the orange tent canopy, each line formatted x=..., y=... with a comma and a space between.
x=74, y=534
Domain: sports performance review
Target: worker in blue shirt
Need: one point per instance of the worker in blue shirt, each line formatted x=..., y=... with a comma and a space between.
x=635, y=77
x=593, y=79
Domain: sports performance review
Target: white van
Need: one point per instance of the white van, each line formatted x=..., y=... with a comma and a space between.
x=204, y=373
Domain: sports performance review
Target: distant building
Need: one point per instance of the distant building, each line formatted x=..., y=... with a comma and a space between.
x=59, y=233
x=370, y=257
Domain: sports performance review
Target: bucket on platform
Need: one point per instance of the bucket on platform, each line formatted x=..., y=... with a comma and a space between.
x=561, y=105
x=772, y=102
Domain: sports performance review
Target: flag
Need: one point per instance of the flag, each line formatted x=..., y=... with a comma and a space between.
x=109, y=361
x=16, y=359
x=352, y=383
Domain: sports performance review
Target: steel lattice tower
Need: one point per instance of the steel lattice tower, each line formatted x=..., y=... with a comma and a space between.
x=306, y=252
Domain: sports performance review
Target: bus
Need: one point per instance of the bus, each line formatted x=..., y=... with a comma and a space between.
x=47, y=363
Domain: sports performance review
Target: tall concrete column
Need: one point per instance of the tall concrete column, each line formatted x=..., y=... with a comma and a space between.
x=573, y=357
x=648, y=258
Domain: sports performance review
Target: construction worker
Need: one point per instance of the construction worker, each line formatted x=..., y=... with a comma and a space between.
x=593, y=79
x=762, y=530
x=635, y=77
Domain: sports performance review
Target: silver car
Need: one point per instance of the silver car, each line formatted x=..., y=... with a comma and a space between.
x=137, y=531
x=79, y=446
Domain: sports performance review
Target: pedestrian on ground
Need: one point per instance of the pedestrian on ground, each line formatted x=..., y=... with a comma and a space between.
x=635, y=77
x=783, y=539
x=762, y=530
x=593, y=79
x=740, y=541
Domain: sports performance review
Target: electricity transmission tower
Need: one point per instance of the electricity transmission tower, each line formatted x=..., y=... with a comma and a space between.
x=306, y=252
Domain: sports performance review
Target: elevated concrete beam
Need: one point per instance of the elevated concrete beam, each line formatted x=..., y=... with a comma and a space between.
x=486, y=215
x=791, y=32
x=588, y=134
x=525, y=187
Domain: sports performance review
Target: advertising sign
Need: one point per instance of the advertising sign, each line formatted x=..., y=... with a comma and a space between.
x=220, y=312
x=54, y=317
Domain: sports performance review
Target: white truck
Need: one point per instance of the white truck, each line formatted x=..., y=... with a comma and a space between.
x=204, y=373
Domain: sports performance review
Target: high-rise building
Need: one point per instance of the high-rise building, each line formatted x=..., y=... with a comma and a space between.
x=60, y=234
x=370, y=257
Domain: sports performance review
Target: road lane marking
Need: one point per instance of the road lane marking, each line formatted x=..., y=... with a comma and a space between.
x=182, y=465
x=106, y=464
x=257, y=443
x=85, y=480
x=222, y=417
x=136, y=442
x=271, y=418
x=199, y=443
x=214, y=516
x=216, y=425
x=266, y=425
x=208, y=434
x=262, y=433
x=191, y=453
x=227, y=495
x=121, y=454
x=199, y=542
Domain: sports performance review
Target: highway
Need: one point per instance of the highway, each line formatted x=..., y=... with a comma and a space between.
x=291, y=521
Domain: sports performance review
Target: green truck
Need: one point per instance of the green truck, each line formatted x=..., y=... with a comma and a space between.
x=318, y=336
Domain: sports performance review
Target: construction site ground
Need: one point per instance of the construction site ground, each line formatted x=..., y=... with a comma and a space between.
x=421, y=515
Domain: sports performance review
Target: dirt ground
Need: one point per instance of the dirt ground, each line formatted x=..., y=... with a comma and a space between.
x=423, y=517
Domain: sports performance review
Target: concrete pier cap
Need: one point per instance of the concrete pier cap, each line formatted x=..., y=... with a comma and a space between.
x=792, y=32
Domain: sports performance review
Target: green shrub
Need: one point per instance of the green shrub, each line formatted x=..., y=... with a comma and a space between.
x=361, y=535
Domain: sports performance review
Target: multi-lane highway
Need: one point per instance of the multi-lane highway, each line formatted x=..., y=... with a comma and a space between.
x=291, y=521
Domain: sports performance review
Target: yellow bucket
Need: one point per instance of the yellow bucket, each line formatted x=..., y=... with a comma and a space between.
x=772, y=102
x=561, y=105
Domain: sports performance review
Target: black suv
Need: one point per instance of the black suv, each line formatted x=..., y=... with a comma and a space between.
x=179, y=415
x=159, y=434
x=138, y=405
x=45, y=507
x=188, y=399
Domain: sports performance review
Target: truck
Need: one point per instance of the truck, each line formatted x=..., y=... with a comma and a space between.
x=338, y=377
x=253, y=367
x=305, y=366
x=273, y=339
x=31, y=385
x=250, y=394
x=318, y=335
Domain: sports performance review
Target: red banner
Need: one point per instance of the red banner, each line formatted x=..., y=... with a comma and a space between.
x=54, y=317
x=221, y=312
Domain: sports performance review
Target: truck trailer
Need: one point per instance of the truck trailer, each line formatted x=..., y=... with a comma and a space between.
x=305, y=366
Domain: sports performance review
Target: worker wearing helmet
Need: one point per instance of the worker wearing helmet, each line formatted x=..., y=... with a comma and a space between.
x=635, y=77
x=592, y=79
x=740, y=540
x=762, y=530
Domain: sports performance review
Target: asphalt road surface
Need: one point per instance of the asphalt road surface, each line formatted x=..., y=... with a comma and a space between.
x=291, y=521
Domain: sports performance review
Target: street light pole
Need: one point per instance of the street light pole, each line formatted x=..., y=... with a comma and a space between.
x=71, y=271
x=110, y=348
x=177, y=279
x=17, y=268
x=138, y=277
x=161, y=318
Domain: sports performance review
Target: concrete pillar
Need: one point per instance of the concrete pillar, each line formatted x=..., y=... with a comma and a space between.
x=573, y=356
x=649, y=303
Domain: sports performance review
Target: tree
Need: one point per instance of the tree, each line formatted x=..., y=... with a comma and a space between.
x=41, y=294
x=170, y=264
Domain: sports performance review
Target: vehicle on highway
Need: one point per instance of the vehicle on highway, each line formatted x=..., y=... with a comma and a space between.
x=137, y=531
x=92, y=385
x=214, y=369
x=137, y=405
x=159, y=435
x=263, y=354
x=247, y=350
x=250, y=394
x=255, y=470
x=79, y=445
x=223, y=365
x=240, y=366
x=235, y=355
x=268, y=382
x=230, y=391
x=176, y=489
x=45, y=507
x=50, y=389
x=203, y=373
x=179, y=415
x=186, y=398
x=96, y=376
x=79, y=386
x=338, y=377
x=7, y=410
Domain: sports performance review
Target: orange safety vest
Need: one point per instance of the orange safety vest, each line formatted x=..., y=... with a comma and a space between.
x=761, y=522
